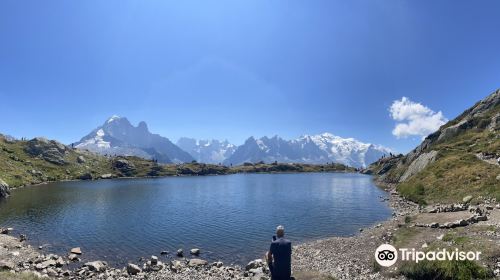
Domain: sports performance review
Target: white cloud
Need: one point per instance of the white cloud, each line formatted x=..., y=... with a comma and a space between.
x=413, y=118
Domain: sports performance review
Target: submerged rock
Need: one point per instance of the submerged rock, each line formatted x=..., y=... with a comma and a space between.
x=195, y=251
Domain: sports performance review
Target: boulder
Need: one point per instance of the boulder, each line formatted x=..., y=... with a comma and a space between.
x=77, y=251
x=73, y=257
x=51, y=151
x=80, y=159
x=51, y=272
x=180, y=253
x=4, y=189
x=176, y=266
x=197, y=262
x=7, y=265
x=133, y=269
x=97, y=266
x=154, y=260
x=481, y=218
x=85, y=176
x=195, y=251
x=467, y=199
x=124, y=166
x=106, y=176
x=254, y=264
x=22, y=237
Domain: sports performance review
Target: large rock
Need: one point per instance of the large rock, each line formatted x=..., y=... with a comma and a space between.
x=7, y=265
x=77, y=251
x=80, y=159
x=467, y=199
x=124, y=166
x=51, y=151
x=106, y=176
x=4, y=189
x=195, y=251
x=86, y=176
x=97, y=266
x=254, y=264
x=418, y=164
x=197, y=262
x=133, y=269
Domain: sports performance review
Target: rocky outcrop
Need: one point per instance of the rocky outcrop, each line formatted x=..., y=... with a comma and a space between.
x=419, y=164
x=48, y=150
x=4, y=189
x=124, y=166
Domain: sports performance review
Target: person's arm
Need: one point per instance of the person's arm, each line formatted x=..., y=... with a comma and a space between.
x=269, y=255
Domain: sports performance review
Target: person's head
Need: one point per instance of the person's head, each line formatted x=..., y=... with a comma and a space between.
x=280, y=231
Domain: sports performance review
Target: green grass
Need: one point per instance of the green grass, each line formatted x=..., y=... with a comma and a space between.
x=445, y=270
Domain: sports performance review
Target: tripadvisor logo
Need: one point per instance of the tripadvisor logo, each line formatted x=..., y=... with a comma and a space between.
x=387, y=255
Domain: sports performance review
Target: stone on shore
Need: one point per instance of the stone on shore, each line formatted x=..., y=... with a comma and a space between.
x=73, y=257
x=197, y=262
x=180, y=253
x=154, y=260
x=106, y=176
x=97, y=266
x=254, y=264
x=133, y=269
x=7, y=265
x=77, y=251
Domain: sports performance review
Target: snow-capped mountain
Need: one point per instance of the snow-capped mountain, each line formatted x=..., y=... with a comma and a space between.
x=207, y=151
x=117, y=136
x=320, y=148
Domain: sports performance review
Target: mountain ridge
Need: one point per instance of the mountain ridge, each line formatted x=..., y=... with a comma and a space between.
x=318, y=149
x=117, y=136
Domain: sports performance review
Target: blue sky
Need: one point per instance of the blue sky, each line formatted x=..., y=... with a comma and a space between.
x=232, y=69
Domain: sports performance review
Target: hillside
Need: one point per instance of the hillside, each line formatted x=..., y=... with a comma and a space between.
x=458, y=160
x=40, y=160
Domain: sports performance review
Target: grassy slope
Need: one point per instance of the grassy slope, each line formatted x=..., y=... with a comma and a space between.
x=456, y=171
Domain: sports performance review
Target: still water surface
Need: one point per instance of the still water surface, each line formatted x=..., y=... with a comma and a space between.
x=231, y=218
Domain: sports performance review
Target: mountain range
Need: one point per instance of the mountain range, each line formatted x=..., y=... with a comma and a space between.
x=117, y=136
x=321, y=148
x=207, y=151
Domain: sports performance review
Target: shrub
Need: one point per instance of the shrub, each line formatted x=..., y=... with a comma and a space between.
x=445, y=270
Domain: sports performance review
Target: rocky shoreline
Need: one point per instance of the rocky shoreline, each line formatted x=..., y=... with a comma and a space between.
x=329, y=258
